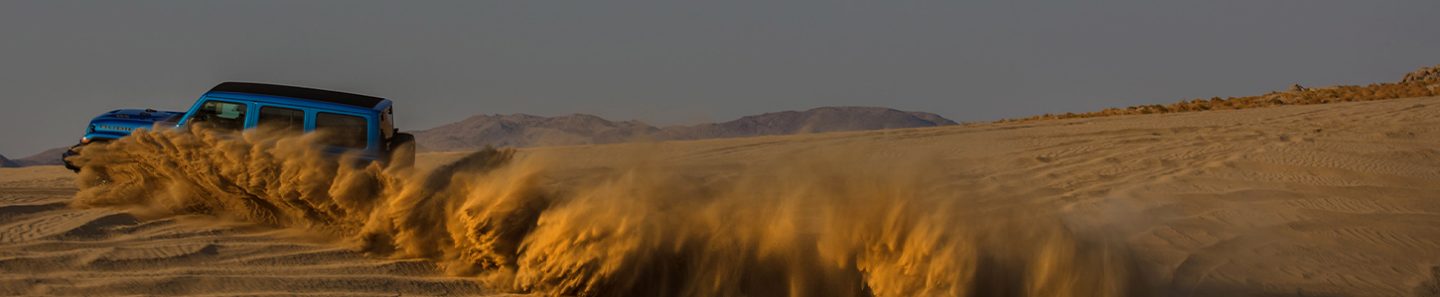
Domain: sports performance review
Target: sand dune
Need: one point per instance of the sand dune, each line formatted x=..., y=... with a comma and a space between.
x=1316, y=200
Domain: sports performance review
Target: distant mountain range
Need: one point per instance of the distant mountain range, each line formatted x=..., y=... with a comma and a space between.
x=522, y=130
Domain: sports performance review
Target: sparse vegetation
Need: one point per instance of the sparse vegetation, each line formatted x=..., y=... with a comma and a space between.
x=1422, y=83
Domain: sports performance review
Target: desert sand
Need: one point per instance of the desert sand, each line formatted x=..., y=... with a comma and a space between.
x=1318, y=200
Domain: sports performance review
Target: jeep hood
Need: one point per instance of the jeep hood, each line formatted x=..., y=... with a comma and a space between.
x=121, y=122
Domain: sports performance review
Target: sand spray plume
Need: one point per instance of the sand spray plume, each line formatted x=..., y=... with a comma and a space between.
x=274, y=180
x=834, y=223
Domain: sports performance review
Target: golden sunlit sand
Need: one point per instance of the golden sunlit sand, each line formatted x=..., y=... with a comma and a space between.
x=1317, y=200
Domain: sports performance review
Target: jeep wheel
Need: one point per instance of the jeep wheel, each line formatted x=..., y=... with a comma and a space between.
x=65, y=158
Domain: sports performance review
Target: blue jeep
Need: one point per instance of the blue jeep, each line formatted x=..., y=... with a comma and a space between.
x=353, y=123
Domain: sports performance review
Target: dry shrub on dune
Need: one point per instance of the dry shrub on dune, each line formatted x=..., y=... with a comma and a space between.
x=1422, y=83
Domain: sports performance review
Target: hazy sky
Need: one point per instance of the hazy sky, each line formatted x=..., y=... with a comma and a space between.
x=669, y=62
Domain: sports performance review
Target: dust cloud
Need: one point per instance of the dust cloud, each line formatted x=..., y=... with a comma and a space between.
x=834, y=223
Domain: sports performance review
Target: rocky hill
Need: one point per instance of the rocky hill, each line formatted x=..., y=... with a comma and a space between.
x=824, y=119
x=47, y=157
x=7, y=163
x=521, y=130
x=1425, y=74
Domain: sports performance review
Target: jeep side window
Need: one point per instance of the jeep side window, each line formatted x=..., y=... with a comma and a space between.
x=221, y=115
x=285, y=119
x=341, y=130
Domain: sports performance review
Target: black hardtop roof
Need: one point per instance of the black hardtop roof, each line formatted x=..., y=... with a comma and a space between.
x=300, y=93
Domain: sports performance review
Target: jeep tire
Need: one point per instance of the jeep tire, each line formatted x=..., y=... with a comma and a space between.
x=65, y=157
